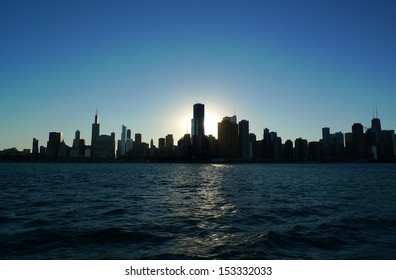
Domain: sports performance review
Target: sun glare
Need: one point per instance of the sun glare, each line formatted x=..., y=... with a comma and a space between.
x=210, y=123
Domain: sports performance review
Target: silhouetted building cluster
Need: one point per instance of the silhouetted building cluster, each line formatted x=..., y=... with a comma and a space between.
x=234, y=144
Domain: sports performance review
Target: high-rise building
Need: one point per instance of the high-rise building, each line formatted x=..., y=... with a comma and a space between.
x=326, y=142
x=348, y=145
x=227, y=132
x=301, y=149
x=53, y=144
x=78, y=148
x=288, y=150
x=244, y=143
x=314, y=153
x=388, y=148
x=266, y=144
x=102, y=146
x=376, y=143
x=198, y=131
x=123, y=140
x=252, y=143
x=138, y=138
x=197, y=123
x=169, y=143
x=35, y=146
x=76, y=141
x=276, y=146
x=184, y=147
x=337, y=147
x=358, y=141
x=95, y=130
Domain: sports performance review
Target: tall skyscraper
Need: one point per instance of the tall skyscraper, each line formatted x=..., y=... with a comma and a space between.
x=376, y=137
x=169, y=143
x=95, y=130
x=326, y=143
x=123, y=139
x=198, y=131
x=388, y=152
x=76, y=141
x=301, y=149
x=358, y=141
x=266, y=144
x=244, y=143
x=138, y=138
x=35, y=146
x=227, y=131
x=53, y=144
x=197, y=123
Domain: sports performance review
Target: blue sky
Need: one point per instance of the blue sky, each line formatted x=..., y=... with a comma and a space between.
x=291, y=66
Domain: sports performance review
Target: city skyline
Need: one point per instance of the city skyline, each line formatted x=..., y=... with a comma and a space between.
x=292, y=67
x=234, y=141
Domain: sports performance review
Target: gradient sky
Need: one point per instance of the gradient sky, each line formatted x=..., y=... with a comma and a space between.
x=291, y=66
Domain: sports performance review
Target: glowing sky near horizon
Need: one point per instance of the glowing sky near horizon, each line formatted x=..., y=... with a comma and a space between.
x=291, y=66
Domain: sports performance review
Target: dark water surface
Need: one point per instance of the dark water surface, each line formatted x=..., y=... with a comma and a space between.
x=197, y=211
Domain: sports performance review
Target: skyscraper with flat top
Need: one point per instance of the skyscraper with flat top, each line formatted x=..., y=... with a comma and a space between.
x=198, y=131
x=227, y=132
x=123, y=139
x=197, y=123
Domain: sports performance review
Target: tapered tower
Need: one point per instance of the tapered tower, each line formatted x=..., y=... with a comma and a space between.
x=95, y=129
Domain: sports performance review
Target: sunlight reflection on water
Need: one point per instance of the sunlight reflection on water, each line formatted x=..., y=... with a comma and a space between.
x=210, y=211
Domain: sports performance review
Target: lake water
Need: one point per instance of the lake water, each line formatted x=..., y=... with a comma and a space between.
x=197, y=211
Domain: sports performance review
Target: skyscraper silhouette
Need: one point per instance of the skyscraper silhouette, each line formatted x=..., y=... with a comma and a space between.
x=198, y=131
x=123, y=140
x=227, y=131
x=358, y=141
x=95, y=130
x=244, y=143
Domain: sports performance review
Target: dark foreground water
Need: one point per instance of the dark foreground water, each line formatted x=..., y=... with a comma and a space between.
x=194, y=211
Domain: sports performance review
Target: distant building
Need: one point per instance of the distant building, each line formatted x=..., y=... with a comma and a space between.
x=326, y=142
x=314, y=149
x=388, y=145
x=348, y=145
x=244, y=143
x=139, y=150
x=161, y=147
x=358, y=141
x=266, y=152
x=103, y=146
x=183, y=146
x=35, y=146
x=95, y=130
x=276, y=146
x=123, y=140
x=227, y=131
x=288, y=154
x=53, y=144
x=212, y=146
x=198, y=131
x=78, y=148
x=252, y=143
x=138, y=138
x=337, y=148
x=76, y=141
x=301, y=149
x=169, y=145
